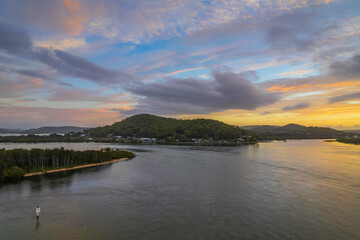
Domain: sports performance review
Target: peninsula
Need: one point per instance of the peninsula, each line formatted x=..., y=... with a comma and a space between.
x=19, y=163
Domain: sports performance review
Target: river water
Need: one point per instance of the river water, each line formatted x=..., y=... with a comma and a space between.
x=306, y=189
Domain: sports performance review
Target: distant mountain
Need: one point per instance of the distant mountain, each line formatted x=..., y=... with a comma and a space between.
x=259, y=127
x=150, y=126
x=294, y=131
x=50, y=130
x=5, y=130
x=357, y=131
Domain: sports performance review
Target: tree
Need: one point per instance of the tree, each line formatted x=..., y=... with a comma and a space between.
x=12, y=173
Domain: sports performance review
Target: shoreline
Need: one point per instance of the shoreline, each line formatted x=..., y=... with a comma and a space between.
x=76, y=167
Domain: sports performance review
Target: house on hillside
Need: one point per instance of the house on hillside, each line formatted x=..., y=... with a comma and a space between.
x=148, y=140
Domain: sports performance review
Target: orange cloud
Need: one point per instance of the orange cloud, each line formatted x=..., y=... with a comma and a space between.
x=62, y=44
x=75, y=18
x=283, y=88
x=36, y=82
x=41, y=116
x=185, y=70
x=339, y=84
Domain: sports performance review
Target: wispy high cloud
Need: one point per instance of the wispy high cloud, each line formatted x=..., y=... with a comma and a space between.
x=339, y=71
x=296, y=106
x=64, y=16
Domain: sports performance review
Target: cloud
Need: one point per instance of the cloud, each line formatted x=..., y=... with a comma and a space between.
x=38, y=74
x=29, y=117
x=295, y=73
x=84, y=95
x=25, y=100
x=61, y=43
x=14, y=40
x=334, y=73
x=60, y=16
x=297, y=106
x=71, y=65
x=73, y=22
x=284, y=31
x=143, y=21
x=344, y=97
x=18, y=88
x=298, y=30
x=227, y=90
x=17, y=42
x=255, y=36
x=32, y=73
x=349, y=68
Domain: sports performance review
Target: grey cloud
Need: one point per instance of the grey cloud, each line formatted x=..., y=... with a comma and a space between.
x=296, y=107
x=281, y=37
x=11, y=61
x=26, y=100
x=38, y=74
x=349, y=68
x=75, y=66
x=32, y=73
x=344, y=97
x=45, y=15
x=329, y=54
x=14, y=40
x=79, y=95
x=227, y=90
x=158, y=107
x=17, y=42
x=291, y=82
x=296, y=30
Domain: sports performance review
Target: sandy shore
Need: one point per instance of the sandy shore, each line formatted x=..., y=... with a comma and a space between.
x=77, y=167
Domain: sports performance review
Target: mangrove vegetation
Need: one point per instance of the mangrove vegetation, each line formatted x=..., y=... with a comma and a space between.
x=15, y=163
x=349, y=140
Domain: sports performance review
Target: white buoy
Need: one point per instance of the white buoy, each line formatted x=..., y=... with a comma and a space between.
x=37, y=212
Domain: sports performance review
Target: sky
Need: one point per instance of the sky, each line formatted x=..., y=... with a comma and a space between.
x=250, y=62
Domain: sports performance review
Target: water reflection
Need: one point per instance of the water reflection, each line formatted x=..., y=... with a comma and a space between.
x=61, y=179
x=292, y=190
x=37, y=225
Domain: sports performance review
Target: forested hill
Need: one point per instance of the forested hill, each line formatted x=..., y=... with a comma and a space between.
x=150, y=126
x=294, y=131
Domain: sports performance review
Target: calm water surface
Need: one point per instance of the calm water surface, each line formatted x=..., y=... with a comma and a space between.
x=280, y=190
